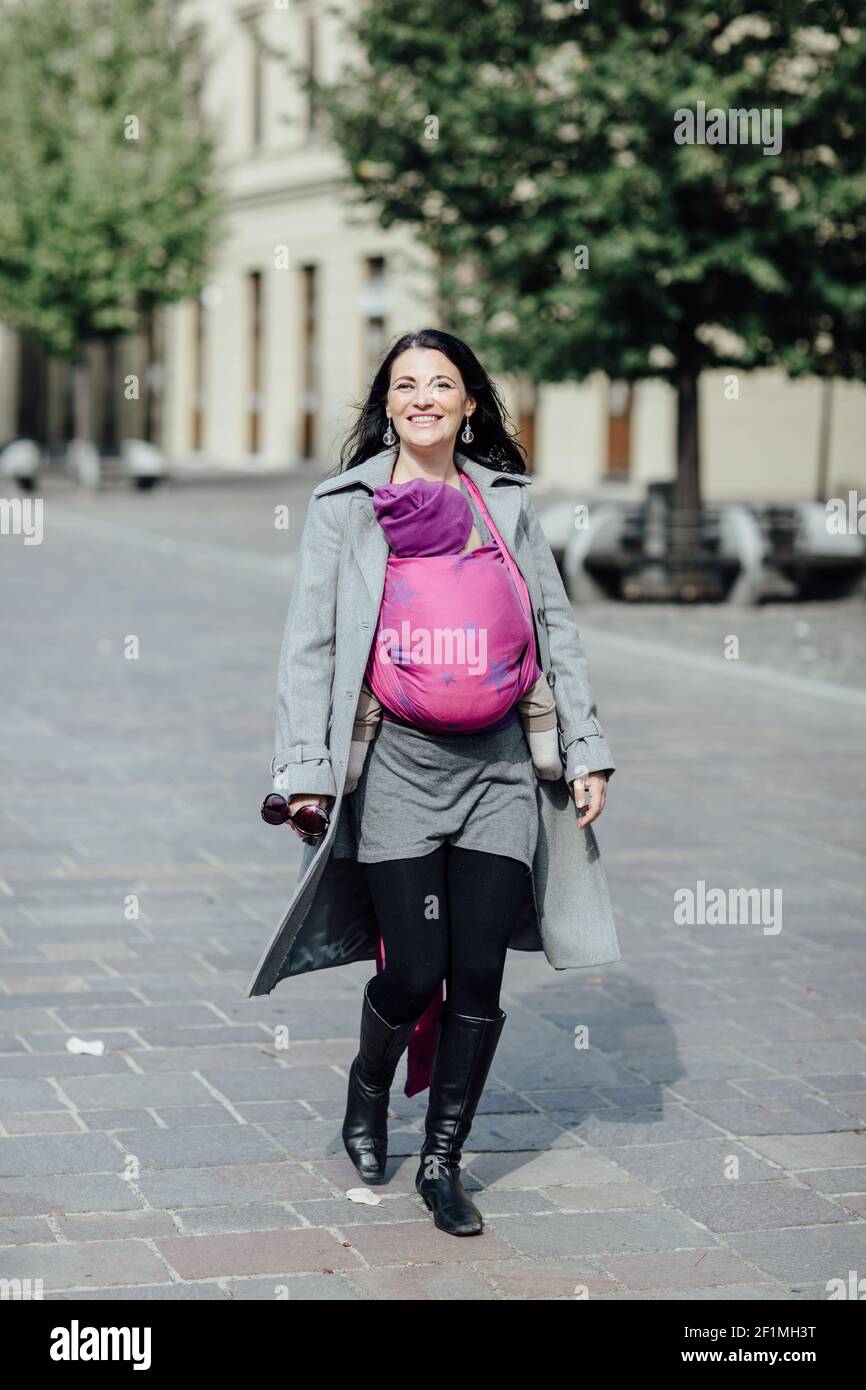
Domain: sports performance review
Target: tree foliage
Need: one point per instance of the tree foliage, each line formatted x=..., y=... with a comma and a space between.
x=107, y=204
x=510, y=133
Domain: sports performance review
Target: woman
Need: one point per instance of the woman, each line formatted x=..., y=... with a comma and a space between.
x=450, y=849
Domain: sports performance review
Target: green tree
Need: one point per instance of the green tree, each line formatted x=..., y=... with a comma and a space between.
x=107, y=204
x=509, y=135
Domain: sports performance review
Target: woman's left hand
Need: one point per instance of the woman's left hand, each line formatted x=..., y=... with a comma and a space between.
x=590, y=804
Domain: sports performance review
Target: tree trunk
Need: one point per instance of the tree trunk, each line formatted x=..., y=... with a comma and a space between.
x=527, y=403
x=687, y=487
x=83, y=418
x=149, y=392
x=825, y=421
x=109, y=425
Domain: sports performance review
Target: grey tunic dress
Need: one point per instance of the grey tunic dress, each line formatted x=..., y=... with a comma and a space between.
x=420, y=789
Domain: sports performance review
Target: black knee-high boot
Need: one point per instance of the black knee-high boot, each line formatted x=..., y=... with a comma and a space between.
x=365, y=1128
x=461, y=1063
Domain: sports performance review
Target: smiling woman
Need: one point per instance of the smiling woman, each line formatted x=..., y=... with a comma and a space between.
x=410, y=394
x=453, y=815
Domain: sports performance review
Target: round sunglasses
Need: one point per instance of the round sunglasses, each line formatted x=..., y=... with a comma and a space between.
x=311, y=822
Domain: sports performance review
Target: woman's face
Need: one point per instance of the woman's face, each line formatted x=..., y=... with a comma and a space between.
x=427, y=399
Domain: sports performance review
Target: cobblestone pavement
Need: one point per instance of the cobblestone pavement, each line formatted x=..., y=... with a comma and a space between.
x=708, y=1144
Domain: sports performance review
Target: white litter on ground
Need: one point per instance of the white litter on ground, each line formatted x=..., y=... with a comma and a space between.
x=92, y=1049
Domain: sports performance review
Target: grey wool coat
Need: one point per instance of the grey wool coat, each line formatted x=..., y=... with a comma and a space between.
x=333, y=610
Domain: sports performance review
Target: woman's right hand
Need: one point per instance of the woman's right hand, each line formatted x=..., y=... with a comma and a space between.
x=296, y=801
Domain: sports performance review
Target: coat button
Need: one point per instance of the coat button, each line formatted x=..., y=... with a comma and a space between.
x=551, y=679
x=540, y=615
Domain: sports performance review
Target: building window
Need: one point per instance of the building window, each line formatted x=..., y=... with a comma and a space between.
x=257, y=81
x=312, y=69
x=309, y=361
x=374, y=315
x=254, y=430
x=620, y=398
x=198, y=385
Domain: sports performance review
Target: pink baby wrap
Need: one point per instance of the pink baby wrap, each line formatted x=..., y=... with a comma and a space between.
x=454, y=648
x=432, y=589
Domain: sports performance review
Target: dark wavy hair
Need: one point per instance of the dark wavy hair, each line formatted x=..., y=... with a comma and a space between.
x=495, y=444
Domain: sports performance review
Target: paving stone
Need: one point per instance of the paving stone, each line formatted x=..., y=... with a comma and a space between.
x=81, y=1226
x=24, y=1231
x=258, y=1252
x=701, y=1161
x=694, y=1062
x=193, y=1116
x=517, y=1132
x=679, y=1269
x=205, y=1291
x=41, y=1122
x=419, y=1242
x=773, y=1088
x=570, y=1070
x=294, y=1288
x=625, y=1127
x=856, y=1205
x=597, y=1233
x=733, y=1293
x=816, y=1253
x=801, y=1116
x=610, y=1196
x=215, y=1035
x=434, y=1282
x=550, y=1278
x=278, y=1084
x=499, y=1201
x=835, y=1179
x=60, y=1153
x=102, y=1015
x=853, y=1105
x=749, y=1206
x=223, y=1186
x=573, y=1099
x=579, y=1167
x=803, y=1151
x=53, y=1044
x=210, y=1146
x=111, y=1120
x=94, y=1262
x=801, y=1059
x=36, y=1194
x=134, y=1090
x=850, y=1081
x=343, y=1213
x=16, y=1096
x=63, y=1064
x=242, y=1057
x=258, y=1216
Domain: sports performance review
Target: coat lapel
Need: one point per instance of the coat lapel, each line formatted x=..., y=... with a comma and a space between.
x=500, y=491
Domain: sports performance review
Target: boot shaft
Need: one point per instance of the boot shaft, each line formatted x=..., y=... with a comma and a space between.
x=381, y=1045
x=461, y=1064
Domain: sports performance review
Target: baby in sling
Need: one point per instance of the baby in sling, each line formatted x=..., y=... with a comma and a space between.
x=454, y=648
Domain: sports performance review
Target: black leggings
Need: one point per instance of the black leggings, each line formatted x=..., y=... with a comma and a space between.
x=447, y=915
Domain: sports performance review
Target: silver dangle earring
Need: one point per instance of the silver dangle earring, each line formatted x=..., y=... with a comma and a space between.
x=467, y=436
x=389, y=437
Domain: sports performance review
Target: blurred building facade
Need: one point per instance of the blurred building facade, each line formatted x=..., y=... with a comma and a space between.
x=261, y=371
